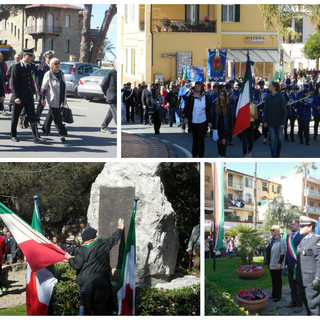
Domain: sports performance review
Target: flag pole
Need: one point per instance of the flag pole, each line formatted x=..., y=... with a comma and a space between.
x=35, y=198
x=214, y=219
x=136, y=199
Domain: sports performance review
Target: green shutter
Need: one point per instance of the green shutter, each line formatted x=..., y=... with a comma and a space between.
x=237, y=13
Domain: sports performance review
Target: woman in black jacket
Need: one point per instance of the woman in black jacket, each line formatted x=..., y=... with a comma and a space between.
x=222, y=121
x=198, y=117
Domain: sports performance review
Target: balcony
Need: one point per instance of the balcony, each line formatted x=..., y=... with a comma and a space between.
x=237, y=186
x=44, y=30
x=313, y=194
x=313, y=210
x=179, y=25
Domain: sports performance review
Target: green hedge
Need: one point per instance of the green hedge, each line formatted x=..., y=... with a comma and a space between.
x=149, y=301
x=219, y=303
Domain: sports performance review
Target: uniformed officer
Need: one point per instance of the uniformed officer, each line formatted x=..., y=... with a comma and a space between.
x=308, y=264
x=23, y=89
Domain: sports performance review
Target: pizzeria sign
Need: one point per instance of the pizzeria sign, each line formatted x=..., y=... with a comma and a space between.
x=255, y=39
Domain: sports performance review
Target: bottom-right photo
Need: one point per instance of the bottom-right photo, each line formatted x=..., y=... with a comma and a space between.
x=262, y=238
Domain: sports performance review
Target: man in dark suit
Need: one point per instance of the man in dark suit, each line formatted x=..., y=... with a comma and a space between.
x=293, y=240
x=129, y=101
x=146, y=101
x=23, y=89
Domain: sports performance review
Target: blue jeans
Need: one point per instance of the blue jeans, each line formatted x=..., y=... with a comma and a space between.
x=174, y=112
x=276, y=138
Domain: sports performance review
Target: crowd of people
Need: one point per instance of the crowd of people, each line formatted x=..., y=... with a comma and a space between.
x=297, y=255
x=209, y=107
x=43, y=85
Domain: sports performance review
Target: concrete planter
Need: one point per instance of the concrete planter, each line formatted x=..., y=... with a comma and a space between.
x=250, y=275
x=252, y=306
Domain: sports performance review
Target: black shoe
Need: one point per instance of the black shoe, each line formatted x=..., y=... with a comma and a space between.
x=286, y=138
x=63, y=139
x=14, y=139
x=315, y=138
x=276, y=300
x=301, y=141
x=39, y=140
x=307, y=143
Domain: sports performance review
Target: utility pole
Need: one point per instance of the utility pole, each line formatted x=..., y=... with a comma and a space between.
x=255, y=196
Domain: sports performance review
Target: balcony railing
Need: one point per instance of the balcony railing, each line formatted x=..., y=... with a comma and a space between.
x=179, y=25
x=44, y=29
x=313, y=210
x=235, y=185
x=313, y=193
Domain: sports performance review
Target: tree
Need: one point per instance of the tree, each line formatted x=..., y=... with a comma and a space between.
x=313, y=15
x=304, y=167
x=311, y=48
x=88, y=54
x=249, y=239
x=108, y=47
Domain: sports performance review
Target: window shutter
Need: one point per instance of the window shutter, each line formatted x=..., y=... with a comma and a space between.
x=222, y=13
x=237, y=13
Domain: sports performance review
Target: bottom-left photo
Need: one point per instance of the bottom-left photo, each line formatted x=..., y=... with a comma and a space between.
x=93, y=238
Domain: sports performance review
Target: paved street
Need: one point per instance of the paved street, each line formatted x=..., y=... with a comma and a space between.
x=178, y=144
x=84, y=140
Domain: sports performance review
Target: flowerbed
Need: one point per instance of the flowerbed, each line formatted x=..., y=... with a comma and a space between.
x=255, y=293
x=250, y=268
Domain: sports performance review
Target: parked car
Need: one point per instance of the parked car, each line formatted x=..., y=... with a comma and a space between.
x=73, y=72
x=89, y=87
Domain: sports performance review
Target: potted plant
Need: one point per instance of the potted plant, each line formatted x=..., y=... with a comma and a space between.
x=158, y=28
x=252, y=299
x=166, y=23
x=250, y=271
x=174, y=28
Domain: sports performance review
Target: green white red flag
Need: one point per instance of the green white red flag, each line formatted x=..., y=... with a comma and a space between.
x=40, y=284
x=38, y=250
x=218, y=204
x=126, y=285
x=243, y=107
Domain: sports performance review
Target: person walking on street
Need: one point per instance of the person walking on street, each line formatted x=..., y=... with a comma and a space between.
x=109, y=89
x=172, y=104
x=274, y=118
x=3, y=251
x=23, y=90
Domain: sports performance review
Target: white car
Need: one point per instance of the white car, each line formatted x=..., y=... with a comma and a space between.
x=89, y=87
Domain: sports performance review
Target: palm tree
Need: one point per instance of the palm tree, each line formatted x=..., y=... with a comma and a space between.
x=313, y=11
x=304, y=167
x=108, y=47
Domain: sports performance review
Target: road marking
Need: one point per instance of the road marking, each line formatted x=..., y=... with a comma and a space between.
x=186, y=152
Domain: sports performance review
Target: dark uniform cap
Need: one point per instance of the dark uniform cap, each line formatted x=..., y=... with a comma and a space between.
x=49, y=54
x=306, y=221
x=260, y=83
x=89, y=234
x=216, y=85
x=295, y=88
x=229, y=85
x=288, y=86
x=306, y=85
x=29, y=52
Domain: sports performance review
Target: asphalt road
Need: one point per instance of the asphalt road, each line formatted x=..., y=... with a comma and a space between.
x=180, y=143
x=84, y=139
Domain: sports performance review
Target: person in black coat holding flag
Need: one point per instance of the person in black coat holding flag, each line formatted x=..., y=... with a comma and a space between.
x=92, y=262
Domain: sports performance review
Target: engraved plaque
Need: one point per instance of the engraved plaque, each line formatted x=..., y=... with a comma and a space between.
x=183, y=59
x=115, y=203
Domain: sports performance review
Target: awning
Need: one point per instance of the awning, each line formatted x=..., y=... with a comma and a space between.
x=256, y=55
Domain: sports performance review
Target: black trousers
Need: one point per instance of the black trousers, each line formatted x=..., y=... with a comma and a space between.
x=17, y=108
x=316, y=125
x=156, y=122
x=54, y=114
x=292, y=120
x=296, y=289
x=304, y=130
x=97, y=298
x=247, y=137
x=276, y=283
x=145, y=116
x=129, y=112
x=199, y=131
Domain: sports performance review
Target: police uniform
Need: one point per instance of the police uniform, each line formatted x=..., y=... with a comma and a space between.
x=308, y=267
x=315, y=112
x=23, y=88
x=291, y=115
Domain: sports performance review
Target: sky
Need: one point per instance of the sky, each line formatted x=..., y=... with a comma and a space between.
x=268, y=169
x=98, y=11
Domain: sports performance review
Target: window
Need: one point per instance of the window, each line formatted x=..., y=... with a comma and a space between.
x=67, y=46
x=311, y=187
x=38, y=24
x=248, y=182
x=192, y=13
x=133, y=61
x=18, y=34
x=11, y=27
x=68, y=19
x=298, y=27
x=126, y=9
x=15, y=31
x=6, y=24
x=230, y=196
x=248, y=198
x=230, y=13
x=0, y=24
x=35, y=45
x=311, y=203
x=50, y=44
x=230, y=180
x=50, y=22
x=87, y=69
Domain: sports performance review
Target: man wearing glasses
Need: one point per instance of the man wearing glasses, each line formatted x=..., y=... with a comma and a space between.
x=308, y=264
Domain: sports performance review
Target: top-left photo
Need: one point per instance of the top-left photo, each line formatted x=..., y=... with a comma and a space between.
x=58, y=81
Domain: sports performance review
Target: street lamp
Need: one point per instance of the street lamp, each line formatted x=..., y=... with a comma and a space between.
x=276, y=205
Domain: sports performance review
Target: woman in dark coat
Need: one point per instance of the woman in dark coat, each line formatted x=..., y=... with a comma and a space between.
x=198, y=118
x=222, y=121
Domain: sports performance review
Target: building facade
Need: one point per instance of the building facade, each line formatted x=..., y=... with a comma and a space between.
x=158, y=39
x=239, y=197
x=43, y=27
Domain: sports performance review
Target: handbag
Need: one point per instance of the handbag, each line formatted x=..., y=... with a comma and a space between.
x=66, y=113
x=257, y=134
x=215, y=136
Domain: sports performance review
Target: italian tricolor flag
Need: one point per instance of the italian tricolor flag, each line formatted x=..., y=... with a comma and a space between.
x=126, y=285
x=40, y=253
x=218, y=204
x=243, y=107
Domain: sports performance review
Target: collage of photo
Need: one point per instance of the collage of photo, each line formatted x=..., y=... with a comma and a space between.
x=104, y=209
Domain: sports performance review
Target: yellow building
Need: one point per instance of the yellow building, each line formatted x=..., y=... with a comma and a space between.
x=239, y=196
x=158, y=39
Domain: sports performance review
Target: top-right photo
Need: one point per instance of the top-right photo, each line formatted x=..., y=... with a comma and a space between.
x=216, y=81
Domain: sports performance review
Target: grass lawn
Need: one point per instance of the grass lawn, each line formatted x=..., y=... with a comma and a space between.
x=226, y=275
x=15, y=311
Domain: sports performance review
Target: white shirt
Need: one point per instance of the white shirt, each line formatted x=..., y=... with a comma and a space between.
x=199, y=110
